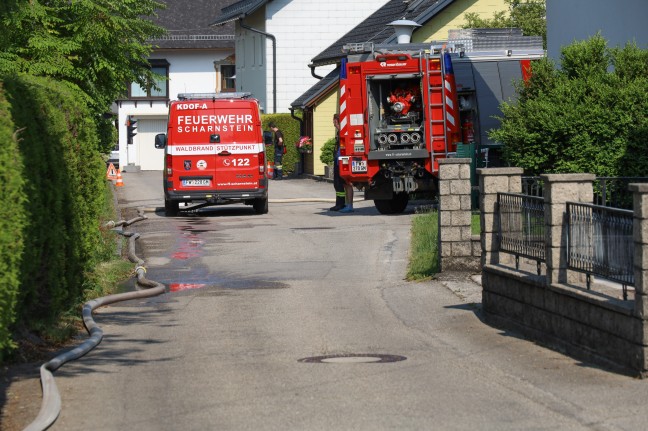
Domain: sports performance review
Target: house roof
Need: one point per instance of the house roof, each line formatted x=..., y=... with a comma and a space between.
x=323, y=86
x=238, y=10
x=375, y=28
x=189, y=26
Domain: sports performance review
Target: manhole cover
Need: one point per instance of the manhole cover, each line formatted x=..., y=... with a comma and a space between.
x=353, y=358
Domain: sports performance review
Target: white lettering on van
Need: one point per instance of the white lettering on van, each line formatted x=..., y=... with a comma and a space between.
x=210, y=149
x=220, y=120
x=214, y=129
x=194, y=148
x=185, y=106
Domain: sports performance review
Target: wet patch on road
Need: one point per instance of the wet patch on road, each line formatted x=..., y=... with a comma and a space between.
x=230, y=285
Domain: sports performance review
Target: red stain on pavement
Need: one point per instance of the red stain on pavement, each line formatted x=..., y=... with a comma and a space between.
x=177, y=287
x=184, y=255
x=190, y=245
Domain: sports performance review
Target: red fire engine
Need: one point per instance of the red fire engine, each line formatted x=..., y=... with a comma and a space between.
x=401, y=110
x=398, y=116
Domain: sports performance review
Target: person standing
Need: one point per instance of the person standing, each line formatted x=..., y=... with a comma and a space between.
x=348, y=192
x=343, y=189
x=279, y=148
x=338, y=182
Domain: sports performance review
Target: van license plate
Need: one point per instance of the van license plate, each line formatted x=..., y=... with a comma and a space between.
x=359, y=166
x=196, y=183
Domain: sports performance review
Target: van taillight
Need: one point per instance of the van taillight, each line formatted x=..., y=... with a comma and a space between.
x=169, y=165
x=262, y=163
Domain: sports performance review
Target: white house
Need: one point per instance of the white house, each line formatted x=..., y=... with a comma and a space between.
x=195, y=57
x=276, y=40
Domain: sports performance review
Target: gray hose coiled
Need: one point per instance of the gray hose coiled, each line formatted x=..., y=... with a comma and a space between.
x=51, y=404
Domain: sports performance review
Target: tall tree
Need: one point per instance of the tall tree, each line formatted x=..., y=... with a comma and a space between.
x=529, y=15
x=98, y=45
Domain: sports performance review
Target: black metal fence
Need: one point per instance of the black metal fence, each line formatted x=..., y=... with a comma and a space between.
x=600, y=242
x=613, y=191
x=599, y=235
x=608, y=191
x=521, y=226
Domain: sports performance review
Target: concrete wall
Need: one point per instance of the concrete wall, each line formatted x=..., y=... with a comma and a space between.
x=458, y=248
x=553, y=308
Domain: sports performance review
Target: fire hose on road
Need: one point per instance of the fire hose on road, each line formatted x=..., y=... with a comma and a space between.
x=51, y=404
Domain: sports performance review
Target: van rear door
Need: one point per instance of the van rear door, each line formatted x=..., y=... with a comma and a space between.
x=216, y=146
x=240, y=151
x=237, y=166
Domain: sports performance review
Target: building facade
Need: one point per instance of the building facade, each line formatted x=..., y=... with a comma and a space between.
x=276, y=40
x=619, y=22
x=192, y=57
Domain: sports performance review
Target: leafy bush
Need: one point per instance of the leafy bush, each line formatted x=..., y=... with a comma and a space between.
x=290, y=129
x=583, y=117
x=326, y=156
x=12, y=222
x=64, y=179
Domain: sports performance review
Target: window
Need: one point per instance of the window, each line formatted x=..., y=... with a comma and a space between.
x=228, y=77
x=159, y=67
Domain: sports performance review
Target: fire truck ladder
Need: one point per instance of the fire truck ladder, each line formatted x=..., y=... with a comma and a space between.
x=433, y=79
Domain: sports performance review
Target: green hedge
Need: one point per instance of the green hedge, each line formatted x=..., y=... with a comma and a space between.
x=12, y=222
x=290, y=128
x=64, y=178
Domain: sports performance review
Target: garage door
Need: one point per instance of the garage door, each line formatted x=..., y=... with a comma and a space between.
x=149, y=157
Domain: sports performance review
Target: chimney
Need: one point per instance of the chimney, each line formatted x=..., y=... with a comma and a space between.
x=404, y=29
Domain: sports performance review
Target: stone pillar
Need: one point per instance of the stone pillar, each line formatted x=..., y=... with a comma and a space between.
x=559, y=189
x=492, y=181
x=640, y=235
x=455, y=246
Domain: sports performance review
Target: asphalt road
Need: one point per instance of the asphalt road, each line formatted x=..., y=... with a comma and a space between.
x=300, y=319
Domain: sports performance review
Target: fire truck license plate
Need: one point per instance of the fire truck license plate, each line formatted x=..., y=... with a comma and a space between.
x=196, y=183
x=358, y=166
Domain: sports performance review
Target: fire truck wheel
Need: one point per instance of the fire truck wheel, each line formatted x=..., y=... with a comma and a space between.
x=260, y=205
x=395, y=205
x=171, y=208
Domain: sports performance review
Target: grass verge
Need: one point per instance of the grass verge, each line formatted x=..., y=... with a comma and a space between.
x=424, y=250
x=424, y=246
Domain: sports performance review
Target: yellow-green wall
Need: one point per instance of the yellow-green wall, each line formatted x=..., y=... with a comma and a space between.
x=323, y=129
x=452, y=18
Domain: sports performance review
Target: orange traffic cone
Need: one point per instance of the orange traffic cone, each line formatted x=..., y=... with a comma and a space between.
x=270, y=170
x=119, y=182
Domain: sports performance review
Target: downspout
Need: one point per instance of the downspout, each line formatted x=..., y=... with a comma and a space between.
x=300, y=120
x=274, y=61
x=312, y=68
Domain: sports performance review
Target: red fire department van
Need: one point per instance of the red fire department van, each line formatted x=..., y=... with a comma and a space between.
x=214, y=152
